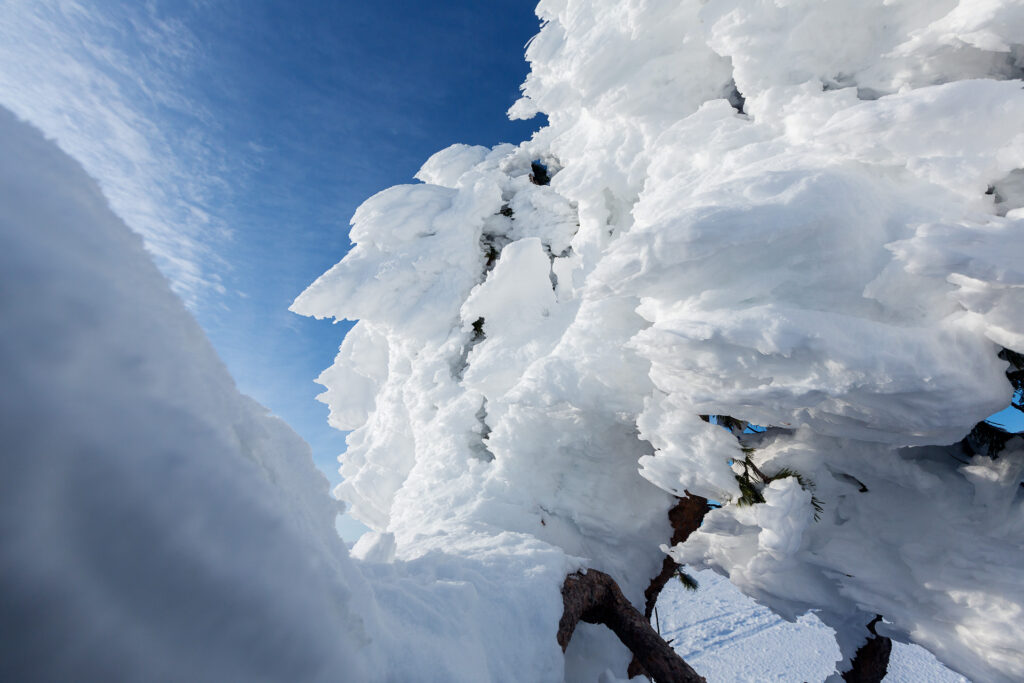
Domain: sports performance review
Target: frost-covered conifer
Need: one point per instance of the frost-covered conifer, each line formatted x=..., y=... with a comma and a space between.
x=804, y=215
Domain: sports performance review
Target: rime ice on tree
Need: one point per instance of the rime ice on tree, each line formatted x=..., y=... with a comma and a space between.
x=785, y=213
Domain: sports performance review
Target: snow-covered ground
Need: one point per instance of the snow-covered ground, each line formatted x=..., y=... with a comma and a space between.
x=729, y=638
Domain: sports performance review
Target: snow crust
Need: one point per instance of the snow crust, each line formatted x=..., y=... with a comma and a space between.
x=158, y=525
x=729, y=637
x=804, y=215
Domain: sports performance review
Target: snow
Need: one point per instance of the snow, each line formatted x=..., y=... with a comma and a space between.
x=157, y=524
x=728, y=637
x=803, y=215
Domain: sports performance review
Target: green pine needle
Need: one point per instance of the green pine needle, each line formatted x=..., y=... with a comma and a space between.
x=749, y=495
x=689, y=583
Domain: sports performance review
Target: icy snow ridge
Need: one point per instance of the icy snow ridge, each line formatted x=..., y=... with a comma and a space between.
x=798, y=214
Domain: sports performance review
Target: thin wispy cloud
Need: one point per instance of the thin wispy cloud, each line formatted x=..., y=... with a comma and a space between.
x=108, y=84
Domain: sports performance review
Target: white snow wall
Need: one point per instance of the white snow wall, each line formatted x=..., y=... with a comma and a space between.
x=155, y=524
x=804, y=214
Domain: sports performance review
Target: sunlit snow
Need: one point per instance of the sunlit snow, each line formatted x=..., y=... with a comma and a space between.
x=780, y=212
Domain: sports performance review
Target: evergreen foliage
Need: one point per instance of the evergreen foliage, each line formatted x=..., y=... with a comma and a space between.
x=753, y=479
x=688, y=581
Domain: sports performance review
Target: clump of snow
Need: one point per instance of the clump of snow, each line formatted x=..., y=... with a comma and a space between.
x=494, y=415
x=802, y=215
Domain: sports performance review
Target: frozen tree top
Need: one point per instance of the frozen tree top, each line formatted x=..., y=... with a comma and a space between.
x=800, y=215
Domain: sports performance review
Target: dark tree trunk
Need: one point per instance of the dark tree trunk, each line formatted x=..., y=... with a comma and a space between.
x=871, y=662
x=685, y=517
x=595, y=598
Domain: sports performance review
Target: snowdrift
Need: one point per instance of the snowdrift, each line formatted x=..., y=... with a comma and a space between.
x=159, y=525
x=801, y=215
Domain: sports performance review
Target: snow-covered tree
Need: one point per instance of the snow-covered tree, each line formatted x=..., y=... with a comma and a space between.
x=801, y=215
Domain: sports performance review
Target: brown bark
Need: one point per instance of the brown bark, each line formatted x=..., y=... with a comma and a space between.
x=595, y=598
x=871, y=662
x=685, y=518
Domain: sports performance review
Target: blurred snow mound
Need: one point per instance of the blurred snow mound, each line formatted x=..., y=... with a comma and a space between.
x=159, y=525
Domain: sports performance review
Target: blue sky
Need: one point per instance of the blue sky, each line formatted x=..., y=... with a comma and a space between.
x=239, y=136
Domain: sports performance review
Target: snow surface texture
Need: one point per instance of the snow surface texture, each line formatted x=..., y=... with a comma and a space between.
x=155, y=524
x=726, y=636
x=801, y=214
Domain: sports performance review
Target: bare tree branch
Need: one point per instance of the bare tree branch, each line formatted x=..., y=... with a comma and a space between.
x=685, y=518
x=595, y=598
